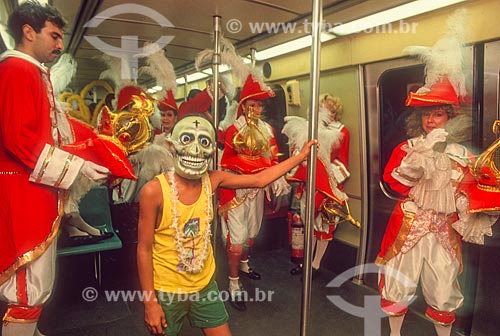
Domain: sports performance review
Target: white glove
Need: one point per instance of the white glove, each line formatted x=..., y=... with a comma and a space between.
x=435, y=136
x=94, y=171
x=280, y=187
x=268, y=193
x=280, y=201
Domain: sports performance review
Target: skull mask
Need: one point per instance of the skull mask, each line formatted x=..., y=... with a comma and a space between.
x=194, y=141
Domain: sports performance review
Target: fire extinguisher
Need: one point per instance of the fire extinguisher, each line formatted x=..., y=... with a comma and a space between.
x=296, y=236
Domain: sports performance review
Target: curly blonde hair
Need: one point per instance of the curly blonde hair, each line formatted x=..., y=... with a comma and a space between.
x=332, y=103
x=458, y=126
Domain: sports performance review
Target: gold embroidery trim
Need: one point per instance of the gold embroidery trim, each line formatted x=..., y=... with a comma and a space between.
x=45, y=164
x=69, y=160
x=234, y=203
x=401, y=237
x=40, y=249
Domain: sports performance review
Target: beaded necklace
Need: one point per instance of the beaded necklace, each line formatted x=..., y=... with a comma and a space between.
x=186, y=259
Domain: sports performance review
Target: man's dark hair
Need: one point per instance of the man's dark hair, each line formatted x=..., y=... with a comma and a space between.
x=192, y=93
x=34, y=14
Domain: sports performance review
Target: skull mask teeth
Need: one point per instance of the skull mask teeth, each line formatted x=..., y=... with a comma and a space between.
x=194, y=142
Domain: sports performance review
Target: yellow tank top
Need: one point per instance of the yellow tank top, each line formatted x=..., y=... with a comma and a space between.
x=183, y=260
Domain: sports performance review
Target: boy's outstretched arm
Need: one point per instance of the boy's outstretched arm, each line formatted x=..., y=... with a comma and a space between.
x=228, y=180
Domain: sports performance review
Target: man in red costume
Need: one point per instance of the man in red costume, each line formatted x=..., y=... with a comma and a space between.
x=250, y=146
x=34, y=171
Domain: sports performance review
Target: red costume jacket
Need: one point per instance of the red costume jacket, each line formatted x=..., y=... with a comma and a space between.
x=399, y=226
x=29, y=212
x=324, y=189
x=242, y=163
x=32, y=164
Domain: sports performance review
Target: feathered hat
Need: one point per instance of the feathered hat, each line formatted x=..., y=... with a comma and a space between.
x=126, y=88
x=160, y=68
x=254, y=87
x=168, y=103
x=128, y=123
x=444, y=77
x=127, y=95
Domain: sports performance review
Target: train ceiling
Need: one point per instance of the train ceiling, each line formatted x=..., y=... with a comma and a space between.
x=190, y=24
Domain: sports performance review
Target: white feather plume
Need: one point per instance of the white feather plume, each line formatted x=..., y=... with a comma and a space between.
x=229, y=57
x=78, y=189
x=328, y=137
x=62, y=73
x=159, y=67
x=294, y=129
x=230, y=116
x=151, y=161
x=114, y=72
x=445, y=57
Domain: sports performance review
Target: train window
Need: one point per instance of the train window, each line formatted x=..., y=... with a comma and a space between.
x=6, y=41
x=274, y=114
x=394, y=86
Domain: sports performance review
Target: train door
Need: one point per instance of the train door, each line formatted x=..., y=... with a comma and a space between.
x=274, y=113
x=386, y=84
x=486, y=317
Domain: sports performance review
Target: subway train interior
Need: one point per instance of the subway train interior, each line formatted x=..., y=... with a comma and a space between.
x=358, y=59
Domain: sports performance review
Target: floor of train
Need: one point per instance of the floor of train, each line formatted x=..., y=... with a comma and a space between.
x=67, y=313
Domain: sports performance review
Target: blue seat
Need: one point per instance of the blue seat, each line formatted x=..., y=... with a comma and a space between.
x=94, y=209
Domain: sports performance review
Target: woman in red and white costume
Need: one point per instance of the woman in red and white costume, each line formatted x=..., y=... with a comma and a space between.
x=331, y=171
x=419, y=243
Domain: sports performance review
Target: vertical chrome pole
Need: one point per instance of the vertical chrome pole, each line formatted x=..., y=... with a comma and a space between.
x=185, y=87
x=311, y=166
x=361, y=257
x=253, y=53
x=216, y=61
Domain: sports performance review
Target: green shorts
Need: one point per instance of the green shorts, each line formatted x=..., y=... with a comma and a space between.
x=204, y=309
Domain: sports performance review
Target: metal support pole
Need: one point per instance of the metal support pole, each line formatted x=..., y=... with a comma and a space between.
x=185, y=87
x=216, y=61
x=311, y=166
x=361, y=257
x=253, y=53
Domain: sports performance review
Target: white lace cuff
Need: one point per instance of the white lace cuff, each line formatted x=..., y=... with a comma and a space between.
x=56, y=168
x=281, y=187
x=338, y=171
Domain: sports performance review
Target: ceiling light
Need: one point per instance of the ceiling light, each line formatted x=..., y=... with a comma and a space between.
x=287, y=47
x=196, y=76
x=367, y=23
x=42, y=2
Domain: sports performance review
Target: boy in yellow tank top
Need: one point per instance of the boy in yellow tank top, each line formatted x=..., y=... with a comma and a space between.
x=174, y=254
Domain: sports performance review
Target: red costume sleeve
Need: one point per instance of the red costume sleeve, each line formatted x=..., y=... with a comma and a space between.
x=198, y=104
x=273, y=147
x=25, y=130
x=229, y=151
x=394, y=162
x=342, y=153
